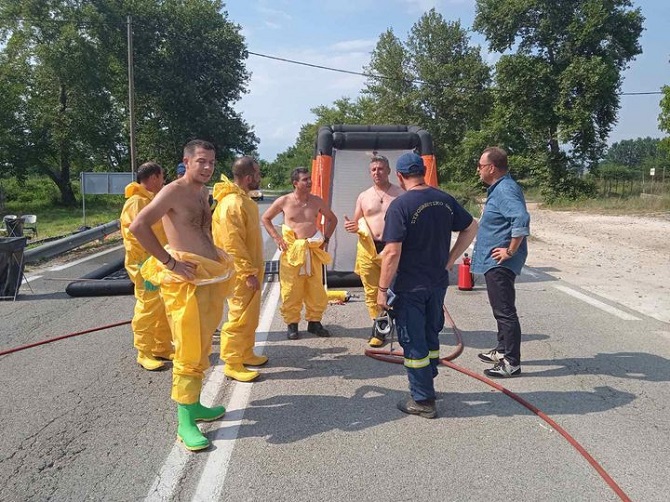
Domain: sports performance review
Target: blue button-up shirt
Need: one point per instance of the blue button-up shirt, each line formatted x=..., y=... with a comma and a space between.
x=505, y=216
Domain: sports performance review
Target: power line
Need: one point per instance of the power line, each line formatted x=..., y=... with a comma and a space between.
x=338, y=70
x=384, y=77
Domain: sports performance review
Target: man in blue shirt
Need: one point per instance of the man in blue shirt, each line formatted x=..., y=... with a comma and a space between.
x=500, y=253
x=417, y=259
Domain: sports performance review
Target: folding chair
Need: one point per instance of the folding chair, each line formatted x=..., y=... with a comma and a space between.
x=30, y=223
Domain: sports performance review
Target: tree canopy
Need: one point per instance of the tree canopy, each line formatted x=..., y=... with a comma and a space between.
x=560, y=74
x=69, y=108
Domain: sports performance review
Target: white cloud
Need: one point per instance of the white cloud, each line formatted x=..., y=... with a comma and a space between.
x=282, y=94
x=355, y=45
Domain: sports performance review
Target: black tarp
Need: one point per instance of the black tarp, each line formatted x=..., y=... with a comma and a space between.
x=11, y=266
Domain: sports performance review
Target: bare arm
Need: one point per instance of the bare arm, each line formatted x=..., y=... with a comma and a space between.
x=141, y=225
x=390, y=261
x=331, y=219
x=141, y=229
x=351, y=226
x=464, y=239
x=276, y=208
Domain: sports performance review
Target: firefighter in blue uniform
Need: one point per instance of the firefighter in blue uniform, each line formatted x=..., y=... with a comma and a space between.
x=415, y=265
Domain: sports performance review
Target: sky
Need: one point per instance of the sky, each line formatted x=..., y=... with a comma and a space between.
x=343, y=34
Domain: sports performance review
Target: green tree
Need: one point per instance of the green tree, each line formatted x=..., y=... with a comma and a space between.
x=436, y=80
x=72, y=112
x=300, y=154
x=561, y=83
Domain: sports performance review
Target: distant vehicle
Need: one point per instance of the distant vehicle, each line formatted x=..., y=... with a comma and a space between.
x=256, y=194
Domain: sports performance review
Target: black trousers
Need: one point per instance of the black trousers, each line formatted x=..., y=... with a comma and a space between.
x=502, y=297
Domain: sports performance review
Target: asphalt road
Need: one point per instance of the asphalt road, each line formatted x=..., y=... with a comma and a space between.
x=82, y=421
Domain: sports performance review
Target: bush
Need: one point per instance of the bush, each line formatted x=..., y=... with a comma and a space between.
x=33, y=191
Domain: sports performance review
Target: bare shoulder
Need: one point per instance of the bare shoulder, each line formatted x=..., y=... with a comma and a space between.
x=395, y=190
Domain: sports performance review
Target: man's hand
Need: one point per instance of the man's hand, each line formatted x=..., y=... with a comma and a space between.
x=350, y=226
x=252, y=283
x=281, y=243
x=382, y=298
x=500, y=255
x=184, y=268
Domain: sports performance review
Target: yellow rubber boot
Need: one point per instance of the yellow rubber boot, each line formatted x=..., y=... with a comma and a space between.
x=239, y=372
x=149, y=362
x=255, y=360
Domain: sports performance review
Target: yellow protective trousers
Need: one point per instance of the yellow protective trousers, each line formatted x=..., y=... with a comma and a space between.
x=151, y=331
x=238, y=335
x=301, y=278
x=368, y=266
x=194, y=311
x=236, y=230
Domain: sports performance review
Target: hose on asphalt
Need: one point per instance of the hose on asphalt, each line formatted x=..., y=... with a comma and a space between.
x=396, y=356
x=63, y=337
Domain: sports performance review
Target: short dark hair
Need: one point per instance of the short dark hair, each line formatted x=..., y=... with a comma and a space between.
x=295, y=174
x=380, y=158
x=190, y=147
x=497, y=156
x=147, y=170
x=244, y=166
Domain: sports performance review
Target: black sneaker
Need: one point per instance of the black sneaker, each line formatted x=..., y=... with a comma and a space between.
x=425, y=409
x=292, y=333
x=492, y=356
x=503, y=370
x=316, y=328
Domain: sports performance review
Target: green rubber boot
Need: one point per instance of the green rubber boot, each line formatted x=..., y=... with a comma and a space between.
x=187, y=431
x=205, y=414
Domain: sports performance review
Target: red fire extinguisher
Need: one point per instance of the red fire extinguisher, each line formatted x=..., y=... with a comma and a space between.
x=465, y=279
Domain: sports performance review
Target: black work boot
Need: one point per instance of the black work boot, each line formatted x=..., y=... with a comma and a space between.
x=316, y=328
x=425, y=409
x=292, y=333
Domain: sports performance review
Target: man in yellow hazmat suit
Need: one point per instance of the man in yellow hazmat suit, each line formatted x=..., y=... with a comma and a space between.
x=368, y=223
x=151, y=331
x=193, y=275
x=236, y=229
x=303, y=253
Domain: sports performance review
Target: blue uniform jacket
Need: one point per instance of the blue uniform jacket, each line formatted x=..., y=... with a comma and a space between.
x=505, y=216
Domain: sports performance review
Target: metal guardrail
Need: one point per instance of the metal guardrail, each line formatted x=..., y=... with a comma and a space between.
x=60, y=246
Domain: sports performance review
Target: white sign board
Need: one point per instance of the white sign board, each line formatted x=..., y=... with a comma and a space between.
x=652, y=171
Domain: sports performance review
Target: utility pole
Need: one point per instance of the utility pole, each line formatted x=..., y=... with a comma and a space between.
x=131, y=96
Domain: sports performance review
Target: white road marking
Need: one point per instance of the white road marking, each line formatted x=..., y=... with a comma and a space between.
x=598, y=304
x=27, y=279
x=82, y=260
x=214, y=473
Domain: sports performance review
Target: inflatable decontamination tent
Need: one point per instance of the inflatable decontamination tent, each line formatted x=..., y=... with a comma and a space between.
x=340, y=172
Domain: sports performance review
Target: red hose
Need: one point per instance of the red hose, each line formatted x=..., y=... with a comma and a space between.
x=30, y=345
x=396, y=356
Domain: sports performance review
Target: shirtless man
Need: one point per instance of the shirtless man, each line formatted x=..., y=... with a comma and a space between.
x=303, y=253
x=368, y=223
x=191, y=272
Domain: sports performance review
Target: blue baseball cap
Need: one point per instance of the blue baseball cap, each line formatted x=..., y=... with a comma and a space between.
x=181, y=169
x=410, y=163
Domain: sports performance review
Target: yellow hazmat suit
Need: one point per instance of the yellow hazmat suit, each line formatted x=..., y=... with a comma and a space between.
x=194, y=310
x=151, y=330
x=368, y=266
x=236, y=229
x=301, y=278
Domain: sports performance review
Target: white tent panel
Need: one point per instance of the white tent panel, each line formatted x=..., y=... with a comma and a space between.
x=350, y=177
